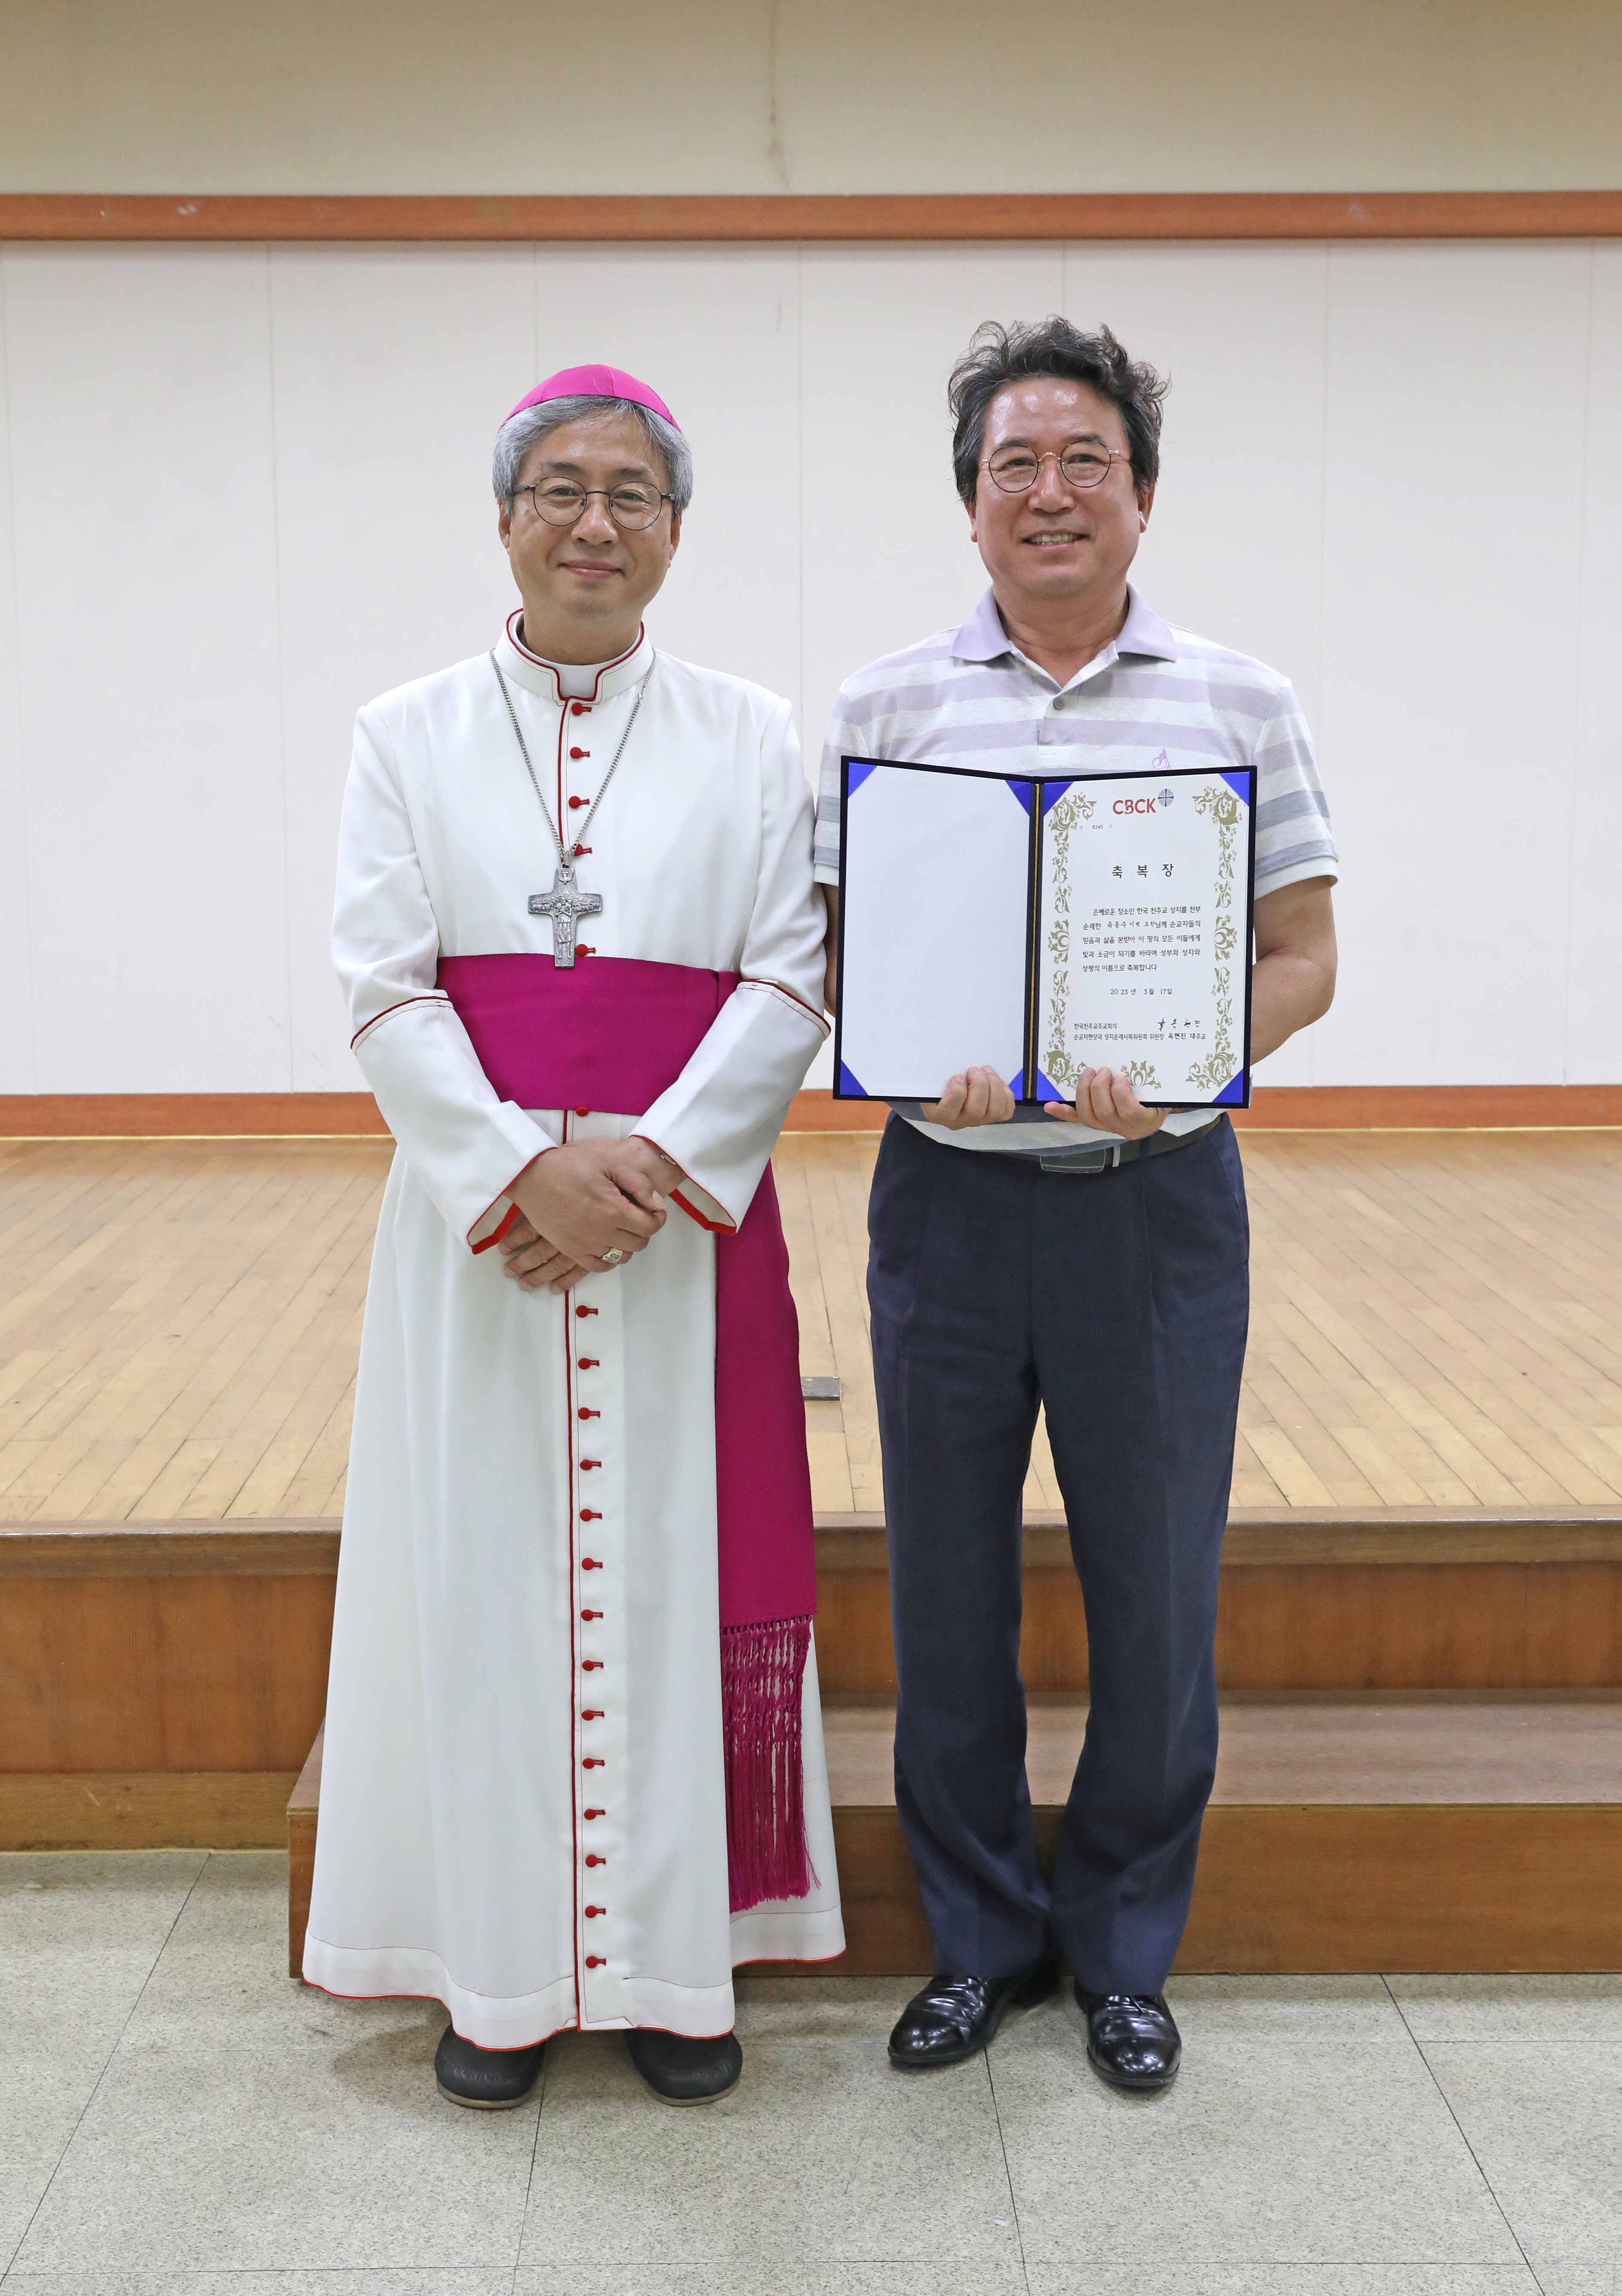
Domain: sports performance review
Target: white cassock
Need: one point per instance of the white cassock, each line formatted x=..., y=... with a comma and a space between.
x=480, y=1842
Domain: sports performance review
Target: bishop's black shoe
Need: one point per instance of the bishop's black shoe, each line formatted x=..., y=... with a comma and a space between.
x=683, y=2071
x=491, y=2080
x=955, y=2016
x=1132, y=2040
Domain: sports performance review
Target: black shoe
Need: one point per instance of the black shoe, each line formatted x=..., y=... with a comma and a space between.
x=1132, y=2040
x=491, y=2080
x=682, y=2071
x=954, y=2016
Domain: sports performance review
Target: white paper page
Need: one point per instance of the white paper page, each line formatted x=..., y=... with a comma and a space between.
x=1142, y=962
x=933, y=913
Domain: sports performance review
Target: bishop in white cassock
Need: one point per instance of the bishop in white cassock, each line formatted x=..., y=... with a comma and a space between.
x=545, y=1800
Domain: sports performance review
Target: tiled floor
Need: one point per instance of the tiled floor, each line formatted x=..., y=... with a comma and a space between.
x=175, y=2114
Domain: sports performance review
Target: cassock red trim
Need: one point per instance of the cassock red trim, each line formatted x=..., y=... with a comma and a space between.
x=438, y=997
x=496, y=1234
x=728, y=1227
x=576, y=1748
x=541, y=661
x=749, y=982
x=716, y=1227
x=507, y=2049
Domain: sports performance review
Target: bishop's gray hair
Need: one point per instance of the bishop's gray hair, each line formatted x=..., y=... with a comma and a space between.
x=530, y=424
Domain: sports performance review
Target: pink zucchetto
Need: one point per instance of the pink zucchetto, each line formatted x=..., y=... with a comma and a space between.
x=595, y=382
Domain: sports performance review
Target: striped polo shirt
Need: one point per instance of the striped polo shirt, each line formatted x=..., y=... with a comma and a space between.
x=1155, y=697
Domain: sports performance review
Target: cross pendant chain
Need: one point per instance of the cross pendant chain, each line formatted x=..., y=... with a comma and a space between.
x=565, y=905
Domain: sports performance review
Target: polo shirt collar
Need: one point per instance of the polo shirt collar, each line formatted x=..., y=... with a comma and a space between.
x=983, y=638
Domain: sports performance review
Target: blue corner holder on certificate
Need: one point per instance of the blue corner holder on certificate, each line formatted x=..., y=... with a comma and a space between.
x=1044, y=926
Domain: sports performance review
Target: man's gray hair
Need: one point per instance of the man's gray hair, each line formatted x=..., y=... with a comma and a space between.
x=524, y=429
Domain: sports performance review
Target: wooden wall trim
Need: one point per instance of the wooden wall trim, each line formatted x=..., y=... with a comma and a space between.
x=833, y=217
x=188, y=1115
x=1276, y=1108
x=1430, y=1108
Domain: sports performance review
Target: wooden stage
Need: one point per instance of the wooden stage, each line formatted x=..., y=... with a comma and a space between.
x=1421, y=1638
x=1437, y=1324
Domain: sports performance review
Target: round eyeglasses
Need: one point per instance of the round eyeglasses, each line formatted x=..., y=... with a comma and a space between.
x=1016, y=470
x=560, y=502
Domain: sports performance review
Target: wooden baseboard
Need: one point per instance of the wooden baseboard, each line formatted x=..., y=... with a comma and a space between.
x=1276, y=1108
x=187, y=1115
x=1432, y=1108
x=852, y=218
x=145, y=1810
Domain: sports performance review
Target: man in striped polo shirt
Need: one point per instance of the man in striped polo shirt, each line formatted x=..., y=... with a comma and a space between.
x=1092, y=1258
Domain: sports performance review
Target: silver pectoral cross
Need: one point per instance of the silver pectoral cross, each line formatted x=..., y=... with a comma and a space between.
x=565, y=905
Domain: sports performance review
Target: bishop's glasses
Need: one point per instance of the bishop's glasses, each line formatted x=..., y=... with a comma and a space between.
x=561, y=503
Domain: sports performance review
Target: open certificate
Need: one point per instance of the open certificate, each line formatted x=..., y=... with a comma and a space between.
x=1044, y=927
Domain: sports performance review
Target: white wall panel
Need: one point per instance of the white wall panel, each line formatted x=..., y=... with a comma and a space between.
x=1593, y=1040
x=889, y=559
x=1450, y=617
x=248, y=489
x=1234, y=544
x=145, y=528
x=392, y=369
x=17, y=1064
x=715, y=330
x=1235, y=540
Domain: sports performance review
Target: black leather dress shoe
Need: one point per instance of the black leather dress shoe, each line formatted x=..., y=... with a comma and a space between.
x=683, y=2071
x=954, y=2016
x=1132, y=2040
x=490, y=2079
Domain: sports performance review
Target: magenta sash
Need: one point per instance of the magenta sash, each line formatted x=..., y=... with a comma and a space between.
x=613, y=1034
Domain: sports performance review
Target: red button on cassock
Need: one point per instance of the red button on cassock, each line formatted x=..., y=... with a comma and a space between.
x=592, y=1858
x=593, y=1762
x=588, y=1311
x=585, y=1362
x=591, y=1714
x=591, y=1514
x=590, y=1562
x=591, y=1462
x=575, y=803
x=593, y=1813
x=592, y=1912
x=596, y=1961
x=579, y=753
x=580, y=708
x=591, y=1614
x=582, y=1111
x=591, y=1666
x=583, y=1414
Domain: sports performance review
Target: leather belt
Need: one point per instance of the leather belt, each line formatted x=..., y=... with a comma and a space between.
x=1094, y=1158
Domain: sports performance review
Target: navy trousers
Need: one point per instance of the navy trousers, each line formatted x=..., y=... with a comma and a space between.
x=1119, y=1300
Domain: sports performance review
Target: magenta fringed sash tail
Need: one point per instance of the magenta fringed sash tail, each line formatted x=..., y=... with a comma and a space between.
x=613, y=1033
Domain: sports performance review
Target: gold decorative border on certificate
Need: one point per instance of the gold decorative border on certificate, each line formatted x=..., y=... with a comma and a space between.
x=1225, y=809
x=1068, y=814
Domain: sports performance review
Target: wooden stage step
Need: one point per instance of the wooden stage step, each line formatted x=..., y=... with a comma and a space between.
x=161, y=1683
x=1345, y=1834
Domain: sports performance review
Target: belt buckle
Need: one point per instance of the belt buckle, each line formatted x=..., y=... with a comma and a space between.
x=1086, y=1160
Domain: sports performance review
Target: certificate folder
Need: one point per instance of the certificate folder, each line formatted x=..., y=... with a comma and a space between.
x=1044, y=926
